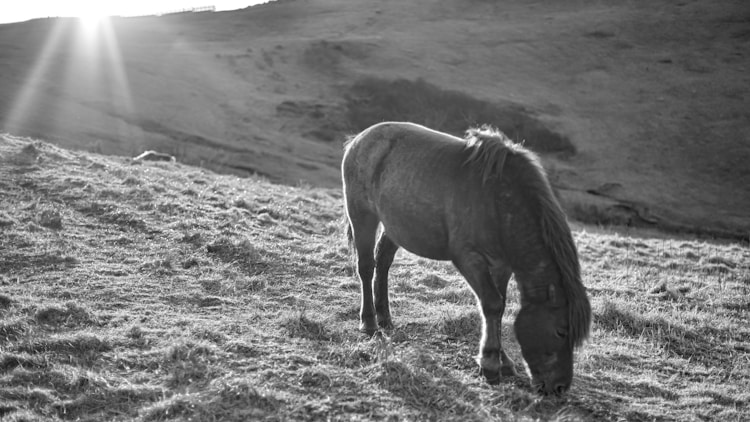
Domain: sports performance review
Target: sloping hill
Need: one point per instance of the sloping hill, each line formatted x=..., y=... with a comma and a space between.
x=643, y=106
x=159, y=291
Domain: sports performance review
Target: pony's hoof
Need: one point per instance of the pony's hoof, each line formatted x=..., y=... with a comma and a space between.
x=386, y=324
x=508, y=371
x=370, y=330
x=492, y=377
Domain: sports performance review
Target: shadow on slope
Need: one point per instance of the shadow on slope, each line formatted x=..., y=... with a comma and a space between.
x=372, y=100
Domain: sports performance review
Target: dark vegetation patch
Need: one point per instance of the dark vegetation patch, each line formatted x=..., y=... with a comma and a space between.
x=5, y=302
x=191, y=362
x=51, y=219
x=314, y=120
x=14, y=261
x=302, y=326
x=10, y=361
x=6, y=220
x=240, y=252
x=433, y=281
x=82, y=345
x=327, y=56
x=13, y=328
x=599, y=33
x=372, y=100
x=70, y=315
x=467, y=326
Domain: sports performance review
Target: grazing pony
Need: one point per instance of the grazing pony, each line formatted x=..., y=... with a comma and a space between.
x=483, y=203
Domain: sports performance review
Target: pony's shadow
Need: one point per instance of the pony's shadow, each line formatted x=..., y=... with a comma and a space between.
x=423, y=386
x=697, y=345
x=612, y=397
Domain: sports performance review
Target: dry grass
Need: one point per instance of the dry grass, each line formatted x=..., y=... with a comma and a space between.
x=164, y=292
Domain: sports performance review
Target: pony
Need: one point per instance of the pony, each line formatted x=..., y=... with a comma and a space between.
x=485, y=204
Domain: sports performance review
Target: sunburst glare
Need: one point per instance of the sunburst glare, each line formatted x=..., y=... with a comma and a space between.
x=79, y=60
x=91, y=17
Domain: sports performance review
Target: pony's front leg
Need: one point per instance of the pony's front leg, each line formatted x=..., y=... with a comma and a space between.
x=501, y=276
x=474, y=268
x=490, y=350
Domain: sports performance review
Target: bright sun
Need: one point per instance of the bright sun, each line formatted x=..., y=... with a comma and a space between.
x=91, y=15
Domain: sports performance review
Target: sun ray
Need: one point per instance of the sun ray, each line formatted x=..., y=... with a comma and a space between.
x=32, y=84
x=123, y=100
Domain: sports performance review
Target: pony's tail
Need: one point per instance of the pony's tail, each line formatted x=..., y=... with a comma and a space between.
x=350, y=243
x=349, y=234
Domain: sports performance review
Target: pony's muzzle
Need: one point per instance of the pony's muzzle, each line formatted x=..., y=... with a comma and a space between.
x=492, y=377
x=556, y=389
x=561, y=389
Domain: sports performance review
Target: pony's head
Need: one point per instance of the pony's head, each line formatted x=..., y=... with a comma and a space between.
x=543, y=332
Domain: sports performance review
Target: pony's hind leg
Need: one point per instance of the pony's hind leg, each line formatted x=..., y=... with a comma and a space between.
x=364, y=228
x=384, y=253
x=474, y=268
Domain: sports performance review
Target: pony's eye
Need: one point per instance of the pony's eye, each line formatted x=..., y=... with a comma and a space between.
x=561, y=332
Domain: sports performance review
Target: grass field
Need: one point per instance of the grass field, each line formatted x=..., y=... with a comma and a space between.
x=165, y=292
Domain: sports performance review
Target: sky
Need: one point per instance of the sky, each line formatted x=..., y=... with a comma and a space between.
x=22, y=10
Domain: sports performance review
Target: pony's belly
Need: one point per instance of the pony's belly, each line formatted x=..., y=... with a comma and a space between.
x=414, y=216
x=419, y=239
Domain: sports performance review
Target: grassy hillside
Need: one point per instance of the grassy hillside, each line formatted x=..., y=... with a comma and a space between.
x=641, y=107
x=159, y=291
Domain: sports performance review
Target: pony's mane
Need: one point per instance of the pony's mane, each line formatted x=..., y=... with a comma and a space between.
x=488, y=150
x=348, y=141
x=556, y=235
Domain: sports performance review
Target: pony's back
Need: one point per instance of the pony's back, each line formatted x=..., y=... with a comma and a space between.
x=388, y=156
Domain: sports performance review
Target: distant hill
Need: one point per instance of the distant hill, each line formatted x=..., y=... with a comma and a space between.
x=640, y=108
